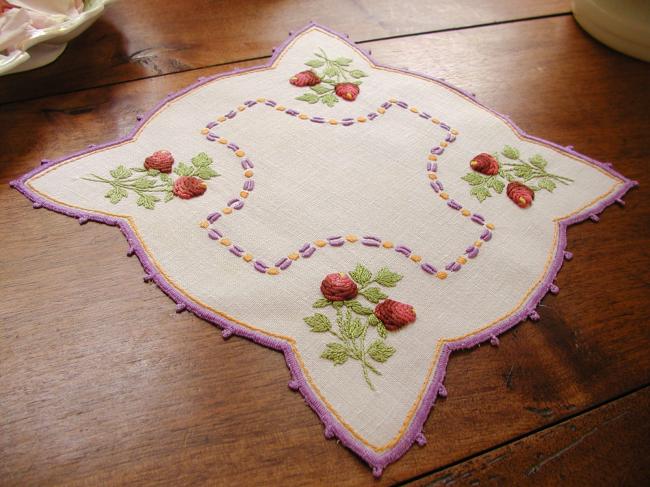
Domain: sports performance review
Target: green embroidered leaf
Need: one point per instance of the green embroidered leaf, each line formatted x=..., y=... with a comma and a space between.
x=206, y=173
x=547, y=184
x=318, y=323
x=481, y=192
x=315, y=63
x=373, y=320
x=337, y=304
x=538, y=161
x=496, y=184
x=357, y=307
x=320, y=89
x=308, y=97
x=510, y=152
x=373, y=294
x=116, y=194
x=473, y=178
x=330, y=100
x=335, y=352
x=321, y=303
x=144, y=183
x=330, y=71
x=352, y=329
x=168, y=196
x=343, y=61
x=165, y=177
x=201, y=160
x=357, y=73
x=525, y=172
x=184, y=170
x=153, y=172
x=379, y=351
x=147, y=201
x=121, y=172
x=381, y=329
x=387, y=278
x=361, y=275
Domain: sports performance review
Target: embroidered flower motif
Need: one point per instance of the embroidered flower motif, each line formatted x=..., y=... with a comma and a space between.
x=187, y=187
x=394, y=314
x=338, y=287
x=161, y=160
x=304, y=78
x=347, y=91
x=328, y=80
x=492, y=174
x=521, y=194
x=485, y=164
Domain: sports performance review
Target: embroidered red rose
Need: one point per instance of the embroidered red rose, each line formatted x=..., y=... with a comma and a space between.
x=485, y=164
x=304, y=78
x=347, y=91
x=338, y=287
x=394, y=314
x=521, y=194
x=187, y=187
x=162, y=160
x=5, y=6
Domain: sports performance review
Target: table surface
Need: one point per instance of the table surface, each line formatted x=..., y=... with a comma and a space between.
x=101, y=382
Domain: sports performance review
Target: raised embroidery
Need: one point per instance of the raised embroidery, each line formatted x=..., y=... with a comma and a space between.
x=328, y=80
x=153, y=181
x=354, y=319
x=492, y=174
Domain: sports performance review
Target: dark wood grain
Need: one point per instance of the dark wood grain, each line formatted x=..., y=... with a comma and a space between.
x=103, y=383
x=606, y=446
x=150, y=37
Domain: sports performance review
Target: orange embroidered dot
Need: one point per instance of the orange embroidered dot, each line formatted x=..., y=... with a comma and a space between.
x=247, y=257
x=415, y=258
x=221, y=140
x=465, y=212
x=432, y=176
x=225, y=241
x=381, y=110
x=435, y=120
x=332, y=122
x=441, y=275
x=294, y=256
x=204, y=131
x=320, y=243
x=241, y=108
x=461, y=260
x=361, y=119
x=204, y=224
x=274, y=271
x=478, y=243
x=454, y=131
x=227, y=211
x=490, y=226
x=303, y=116
x=243, y=194
x=280, y=108
x=393, y=100
x=387, y=245
x=433, y=158
x=414, y=110
x=444, y=196
x=240, y=153
x=248, y=173
x=443, y=144
x=261, y=100
x=221, y=119
x=351, y=238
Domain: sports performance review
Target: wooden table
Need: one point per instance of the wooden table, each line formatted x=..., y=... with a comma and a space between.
x=101, y=382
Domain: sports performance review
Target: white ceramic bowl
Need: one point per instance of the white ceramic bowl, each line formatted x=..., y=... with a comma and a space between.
x=45, y=45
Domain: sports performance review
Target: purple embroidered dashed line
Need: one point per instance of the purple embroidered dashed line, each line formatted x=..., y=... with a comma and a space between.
x=236, y=251
x=403, y=250
x=214, y=234
x=211, y=137
x=370, y=243
x=440, y=186
x=232, y=201
x=247, y=164
x=428, y=268
x=249, y=185
x=386, y=105
x=454, y=204
x=479, y=216
x=435, y=186
x=238, y=206
x=444, y=126
x=432, y=166
x=456, y=267
x=347, y=124
x=486, y=235
x=292, y=112
x=425, y=115
x=250, y=103
x=213, y=217
x=472, y=253
x=316, y=120
x=347, y=119
x=477, y=220
x=231, y=114
x=336, y=243
x=270, y=103
x=233, y=147
x=304, y=247
x=450, y=137
x=437, y=150
x=259, y=267
x=402, y=104
x=334, y=237
x=308, y=253
x=238, y=248
x=449, y=266
x=211, y=124
x=372, y=237
x=285, y=264
x=372, y=116
x=281, y=261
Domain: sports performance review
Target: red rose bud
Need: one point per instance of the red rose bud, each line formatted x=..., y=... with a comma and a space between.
x=304, y=78
x=162, y=160
x=485, y=164
x=338, y=287
x=347, y=91
x=187, y=187
x=521, y=194
x=394, y=314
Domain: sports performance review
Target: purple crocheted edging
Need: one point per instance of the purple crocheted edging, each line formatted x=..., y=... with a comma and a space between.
x=378, y=461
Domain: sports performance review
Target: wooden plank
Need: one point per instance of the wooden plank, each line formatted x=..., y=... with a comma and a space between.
x=606, y=446
x=102, y=382
x=149, y=37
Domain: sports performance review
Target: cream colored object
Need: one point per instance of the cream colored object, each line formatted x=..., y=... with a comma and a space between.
x=315, y=180
x=38, y=46
x=623, y=25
